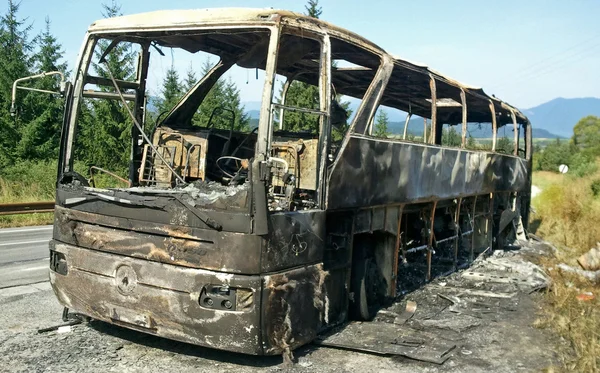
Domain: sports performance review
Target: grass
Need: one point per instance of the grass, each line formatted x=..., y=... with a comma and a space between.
x=543, y=179
x=568, y=214
x=33, y=181
x=27, y=182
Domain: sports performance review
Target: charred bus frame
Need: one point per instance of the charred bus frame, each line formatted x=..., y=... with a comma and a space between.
x=316, y=232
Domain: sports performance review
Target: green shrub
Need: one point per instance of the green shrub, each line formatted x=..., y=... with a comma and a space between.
x=595, y=186
x=582, y=164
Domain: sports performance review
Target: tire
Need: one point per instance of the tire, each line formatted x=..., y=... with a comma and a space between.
x=361, y=304
x=367, y=288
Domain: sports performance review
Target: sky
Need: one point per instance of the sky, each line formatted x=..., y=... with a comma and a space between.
x=524, y=52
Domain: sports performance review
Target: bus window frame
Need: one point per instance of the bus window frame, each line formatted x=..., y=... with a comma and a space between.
x=268, y=122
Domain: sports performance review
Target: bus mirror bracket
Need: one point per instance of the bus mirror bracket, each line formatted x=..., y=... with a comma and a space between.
x=62, y=87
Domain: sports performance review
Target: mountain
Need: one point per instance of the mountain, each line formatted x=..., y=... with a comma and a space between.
x=253, y=114
x=560, y=115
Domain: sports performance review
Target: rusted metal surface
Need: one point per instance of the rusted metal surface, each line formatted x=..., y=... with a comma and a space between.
x=389, y=339
x=164, y=243
x=433, y=89
x=26, y=208
x=463, y=101
x=409, y=173
x=296, y=308
x=430, y=235
x=160, y=299
x=301, y=156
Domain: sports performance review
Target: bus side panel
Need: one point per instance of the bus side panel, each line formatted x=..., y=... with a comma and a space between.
x=373, y=172
x=296, y=238
x=294, y=307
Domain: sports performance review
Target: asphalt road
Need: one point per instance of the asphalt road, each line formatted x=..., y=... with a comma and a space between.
x=24, y=255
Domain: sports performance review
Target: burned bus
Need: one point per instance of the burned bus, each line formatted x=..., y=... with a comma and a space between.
x=256, y=240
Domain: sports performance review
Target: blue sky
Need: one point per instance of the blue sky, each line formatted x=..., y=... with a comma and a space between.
x=525, y=52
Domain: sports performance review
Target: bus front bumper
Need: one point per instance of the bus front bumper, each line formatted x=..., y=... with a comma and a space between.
x=206, y=308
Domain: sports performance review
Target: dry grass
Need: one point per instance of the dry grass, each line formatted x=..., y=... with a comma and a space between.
x=26, y=220
x=545, y=178
x=569, y=216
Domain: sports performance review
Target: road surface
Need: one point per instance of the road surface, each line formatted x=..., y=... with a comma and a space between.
x=24, y=255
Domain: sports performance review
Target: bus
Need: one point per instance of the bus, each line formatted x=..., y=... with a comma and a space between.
x=257, y=238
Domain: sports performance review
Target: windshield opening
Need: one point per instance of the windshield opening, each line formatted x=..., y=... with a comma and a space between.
x=193, y=95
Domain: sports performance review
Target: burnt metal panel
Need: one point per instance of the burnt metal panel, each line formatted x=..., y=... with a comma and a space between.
x=392, y=215
x=198, y=248
x=159, y=299
x=295, y=238
x=295, y=305
x=372, y=172
x=362, y=221
x=173, y=212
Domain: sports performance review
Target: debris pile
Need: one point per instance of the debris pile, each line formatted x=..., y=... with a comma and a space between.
x=215, y=195
x=432, y=322
x=590, y=262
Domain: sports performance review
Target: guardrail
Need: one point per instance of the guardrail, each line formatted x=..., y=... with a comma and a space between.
x=25, y=208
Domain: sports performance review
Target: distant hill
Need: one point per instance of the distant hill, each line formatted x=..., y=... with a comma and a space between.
x=560, y=115
x=253, y=114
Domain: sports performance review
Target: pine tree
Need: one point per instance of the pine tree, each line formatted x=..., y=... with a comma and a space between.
x=382, y=121
x=471, y=143
x=232, y=99
x=15, y=63
x=222, y=103
x=313, y=9
x=121, y=59
x=105, y=126
x=504, y=145
x=303, y=95
x=450, y=137
x=15, y=49
x=190, y=79
x=306, y=96
x=172, y=91
x=41, y=135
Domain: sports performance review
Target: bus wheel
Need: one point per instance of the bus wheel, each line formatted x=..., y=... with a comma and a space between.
x=367, y=287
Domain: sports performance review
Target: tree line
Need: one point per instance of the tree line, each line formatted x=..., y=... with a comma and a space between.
x=34, y=131
x=579, y=152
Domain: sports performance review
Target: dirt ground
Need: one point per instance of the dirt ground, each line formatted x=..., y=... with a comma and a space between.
x=490, y=333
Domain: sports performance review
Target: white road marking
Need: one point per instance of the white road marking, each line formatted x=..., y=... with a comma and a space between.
x=34, y=268
x=23, y=243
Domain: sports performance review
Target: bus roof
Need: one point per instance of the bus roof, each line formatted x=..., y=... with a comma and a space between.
x=419, y=74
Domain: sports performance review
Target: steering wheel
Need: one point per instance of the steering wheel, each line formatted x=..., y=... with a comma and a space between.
x=239, y=164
